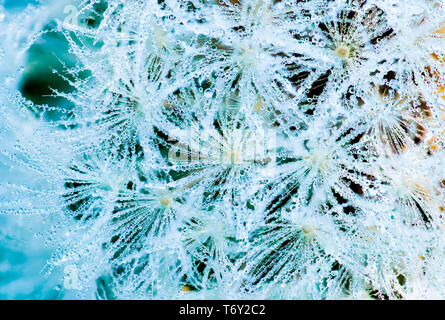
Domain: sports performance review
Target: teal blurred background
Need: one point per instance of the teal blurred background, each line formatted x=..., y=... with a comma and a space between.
x=23, y=255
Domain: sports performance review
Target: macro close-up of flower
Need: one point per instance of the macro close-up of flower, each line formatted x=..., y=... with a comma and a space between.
x=222, y=149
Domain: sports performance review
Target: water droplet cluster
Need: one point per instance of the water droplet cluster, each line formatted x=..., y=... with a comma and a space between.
x=236, y=149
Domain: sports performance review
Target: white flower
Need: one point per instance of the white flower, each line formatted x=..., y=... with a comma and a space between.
x=233, y=149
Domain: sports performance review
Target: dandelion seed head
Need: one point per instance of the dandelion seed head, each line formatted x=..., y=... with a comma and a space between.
x=230, y=149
